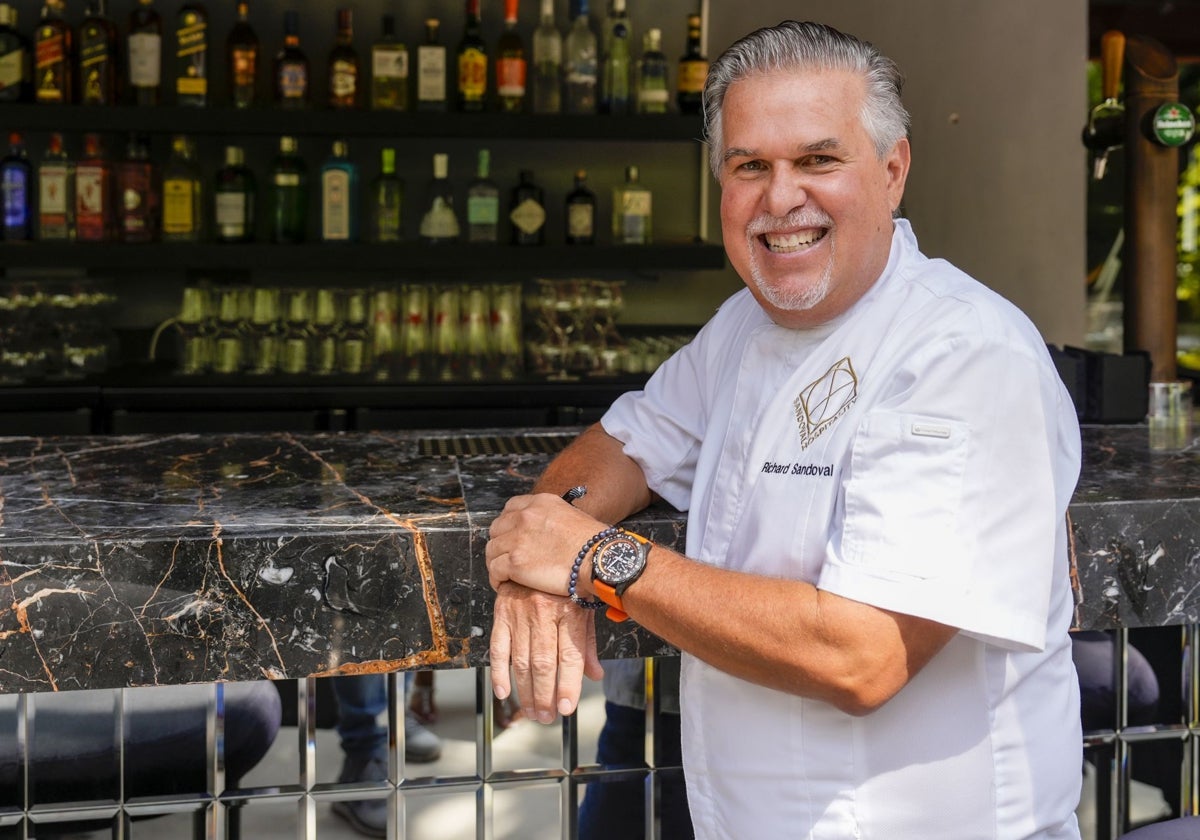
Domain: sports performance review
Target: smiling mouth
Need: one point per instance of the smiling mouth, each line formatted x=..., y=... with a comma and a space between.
x=787, y=243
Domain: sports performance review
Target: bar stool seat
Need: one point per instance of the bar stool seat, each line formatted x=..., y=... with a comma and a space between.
x=1183, y=828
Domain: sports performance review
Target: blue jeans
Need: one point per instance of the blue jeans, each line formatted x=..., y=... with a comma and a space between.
x=361, y=698
x=618, y=809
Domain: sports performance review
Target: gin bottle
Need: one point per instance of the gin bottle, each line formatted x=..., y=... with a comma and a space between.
x=339, y=196
x=389, y=70
x=527, y=211
x=510, y=63
x=439, y=223
x=614, y=82
x=653, y=92
x=431, y=70
x=56, y=193
x=289, y=194
x=16, y=189
x=483, y=203
x=631, y=211
x=580, y=68
x=234, y=198
x=547, y=63
x=387, y=201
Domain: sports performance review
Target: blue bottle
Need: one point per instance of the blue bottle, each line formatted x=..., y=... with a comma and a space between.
x=16, y=185
x=339, y=196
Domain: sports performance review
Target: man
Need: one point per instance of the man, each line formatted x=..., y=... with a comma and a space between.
x=876, y=456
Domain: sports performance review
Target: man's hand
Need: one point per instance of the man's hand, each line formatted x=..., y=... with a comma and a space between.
x=535, y=540
x=550, y=644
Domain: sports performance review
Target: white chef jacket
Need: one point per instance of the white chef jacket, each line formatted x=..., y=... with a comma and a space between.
x=917, y=454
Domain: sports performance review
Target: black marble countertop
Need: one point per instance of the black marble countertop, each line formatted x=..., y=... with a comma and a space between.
x=144, y=560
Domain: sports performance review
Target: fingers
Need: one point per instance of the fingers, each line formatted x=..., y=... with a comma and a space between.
x=500, y=652
x=573, y=638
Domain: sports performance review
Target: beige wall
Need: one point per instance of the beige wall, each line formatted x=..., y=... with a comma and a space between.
x=997, y=95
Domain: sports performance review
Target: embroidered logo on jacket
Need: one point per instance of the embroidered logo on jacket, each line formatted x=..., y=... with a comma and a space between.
x=825, y=400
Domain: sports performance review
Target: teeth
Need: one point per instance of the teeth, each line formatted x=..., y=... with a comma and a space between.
x=785, y=242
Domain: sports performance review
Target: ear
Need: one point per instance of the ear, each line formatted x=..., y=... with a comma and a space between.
x=897, y=163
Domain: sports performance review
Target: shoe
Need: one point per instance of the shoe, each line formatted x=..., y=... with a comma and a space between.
x=366, y=816
x=422, y=704
x=420, y=745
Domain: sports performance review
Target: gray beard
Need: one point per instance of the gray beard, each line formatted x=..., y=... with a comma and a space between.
x=790, y=299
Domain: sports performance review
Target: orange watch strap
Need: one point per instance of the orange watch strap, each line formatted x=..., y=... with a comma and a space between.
x=616, y=609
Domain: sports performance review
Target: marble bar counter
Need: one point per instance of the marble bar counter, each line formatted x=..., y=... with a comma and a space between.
x=149, y=560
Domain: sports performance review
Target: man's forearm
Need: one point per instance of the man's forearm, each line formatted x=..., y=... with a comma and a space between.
x=616, y=485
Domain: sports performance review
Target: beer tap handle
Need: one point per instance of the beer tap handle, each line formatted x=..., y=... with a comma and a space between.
x=1112, y=56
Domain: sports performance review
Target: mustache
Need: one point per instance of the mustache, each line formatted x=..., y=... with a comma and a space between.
x=801, y=218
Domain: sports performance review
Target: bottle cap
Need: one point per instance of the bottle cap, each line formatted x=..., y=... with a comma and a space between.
x=340, y=148
x=287, y=145
x=631, y=173
x=388, y=158
x=441, y=165
x=234, y=156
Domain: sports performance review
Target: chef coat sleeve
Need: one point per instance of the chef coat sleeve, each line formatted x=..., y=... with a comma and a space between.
x=956, y=492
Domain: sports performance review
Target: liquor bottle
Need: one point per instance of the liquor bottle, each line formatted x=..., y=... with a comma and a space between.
x=233, y=199
x=339, y=196
x=511, y=66
x=387, y=201
x=54, y=56
x=483, y=203
x=99, y=74
x=56, y=193
x=182, y=194
x=579, y=69
x=16, y=59
x=16, y=183
x=291, y=66
x=431, y=70
x=343, y=64
x=614, y=81
x=191, y=55
x=631, y=211
x=241, y=55
x=472, y=62
x=94, y=211
x=389, y=70
x=581, y=212
x=653, y=90
x=289, y=194
x=143, y=51
x=547, y=63
x=527, y=211
x=137, y=193
x=439, y=223
x=693, y=70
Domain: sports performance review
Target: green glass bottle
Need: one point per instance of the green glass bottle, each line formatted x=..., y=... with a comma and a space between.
x=289, y=194
x=387, y=201
x=234, y=195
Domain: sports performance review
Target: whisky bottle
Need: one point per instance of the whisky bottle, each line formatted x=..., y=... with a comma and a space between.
x=241, y=53
x=233, y=199
x=693, y=70
x=191, y=56
x=614, y=79
x=339, y=196
x=653, y=92
x=389, y=70
x=99, y=74
x=387, y=201
x=16, y=187
x=94, y=211
x=547, y=63
x=527, y=211
x=182, y=194
x=137, y=198
x=431, y=70
x=343, y=64
x=483, y=203
x=143, y=51
x=631, y=211
x=54, y=56
x=580, y=70
x=56, y=193
x=439, y=223
x=291, y=66
x=289, y=194
x=16, y=59
x=511, y=66
x=472, y=63
x=581, y=212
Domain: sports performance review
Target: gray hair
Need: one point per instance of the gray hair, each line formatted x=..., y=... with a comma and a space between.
x=808, y=46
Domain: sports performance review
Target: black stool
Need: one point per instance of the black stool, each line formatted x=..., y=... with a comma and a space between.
x=1183, y=828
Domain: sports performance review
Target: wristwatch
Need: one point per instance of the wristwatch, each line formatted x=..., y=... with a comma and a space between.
x=618, y=561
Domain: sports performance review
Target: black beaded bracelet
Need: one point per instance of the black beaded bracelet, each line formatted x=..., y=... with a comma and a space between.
x=595, y=604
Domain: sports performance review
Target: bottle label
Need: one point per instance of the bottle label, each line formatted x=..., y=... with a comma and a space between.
x=510, y=77
x=287, y=179
x=52, y=189
x=178, y=206
x=244, y=60
x=528, y=216
x=472, y=74
x=293, y=81
x=12, y=68
x=439, y=222
x=343, y=76
x=634, y=227
x=431, y=74
x=335, y=215
x=654, y=96
x=93, y=66
x=692, y=75
x=231, y=214
x=389, y=63
x=16, y=198
x=90, y=199
x=135, y=213
x=483, y=210
x=145, y=59
x=581, y=221
x=51, y=71
x=191, y=45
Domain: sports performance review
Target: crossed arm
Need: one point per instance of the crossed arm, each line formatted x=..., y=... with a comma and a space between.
x=784, y=634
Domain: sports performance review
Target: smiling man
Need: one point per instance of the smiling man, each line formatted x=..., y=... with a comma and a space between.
x=876, y=456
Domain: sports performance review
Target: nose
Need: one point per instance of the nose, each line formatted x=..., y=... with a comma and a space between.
x=786, y=191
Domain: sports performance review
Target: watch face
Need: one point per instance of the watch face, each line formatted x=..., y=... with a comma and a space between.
x=619, y=560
